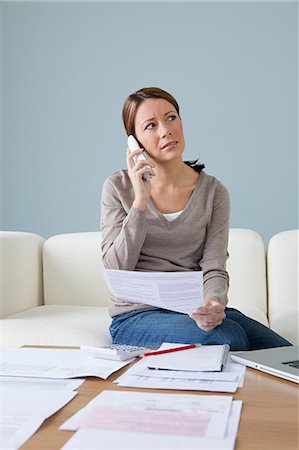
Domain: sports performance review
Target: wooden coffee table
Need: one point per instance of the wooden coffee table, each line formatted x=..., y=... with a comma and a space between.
x=269, y=418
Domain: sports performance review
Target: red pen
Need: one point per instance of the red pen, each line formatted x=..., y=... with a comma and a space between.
x=169, y=350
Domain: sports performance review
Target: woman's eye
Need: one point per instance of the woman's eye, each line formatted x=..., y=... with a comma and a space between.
x=150, y=125
x=171, y=117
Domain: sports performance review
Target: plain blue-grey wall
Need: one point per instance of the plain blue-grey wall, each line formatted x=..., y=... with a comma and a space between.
x=68, y=67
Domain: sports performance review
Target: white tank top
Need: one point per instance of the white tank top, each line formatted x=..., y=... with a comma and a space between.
x=172, y=216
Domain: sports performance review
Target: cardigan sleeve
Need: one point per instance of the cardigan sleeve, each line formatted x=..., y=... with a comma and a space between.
x=123, y=229
x=215, y=254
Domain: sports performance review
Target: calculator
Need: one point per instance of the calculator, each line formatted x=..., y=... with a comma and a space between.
x=117, y=352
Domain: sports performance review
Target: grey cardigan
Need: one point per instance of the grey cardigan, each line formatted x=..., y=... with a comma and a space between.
x=147, y=241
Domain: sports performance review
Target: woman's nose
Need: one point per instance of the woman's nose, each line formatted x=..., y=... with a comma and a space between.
x=165, y=132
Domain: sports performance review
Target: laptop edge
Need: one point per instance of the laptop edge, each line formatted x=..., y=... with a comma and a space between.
x=264, y=368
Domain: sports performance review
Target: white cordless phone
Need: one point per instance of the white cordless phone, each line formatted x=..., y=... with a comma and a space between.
x=133, y=145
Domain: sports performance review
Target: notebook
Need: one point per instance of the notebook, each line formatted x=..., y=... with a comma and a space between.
x=282, y=362
x=205, y=358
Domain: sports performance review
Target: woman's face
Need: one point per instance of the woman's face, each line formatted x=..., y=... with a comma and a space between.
x=159, y=129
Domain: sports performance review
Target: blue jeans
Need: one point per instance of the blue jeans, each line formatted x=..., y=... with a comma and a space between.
x=149, y=327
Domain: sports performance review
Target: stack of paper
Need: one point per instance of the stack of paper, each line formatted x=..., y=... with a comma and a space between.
x=113, y=419
x=194, y=369
x=56, y=363
x=130, y=420
x=27, y=402
x=200, y=358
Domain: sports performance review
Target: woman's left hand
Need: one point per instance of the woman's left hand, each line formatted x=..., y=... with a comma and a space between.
x=210, y=315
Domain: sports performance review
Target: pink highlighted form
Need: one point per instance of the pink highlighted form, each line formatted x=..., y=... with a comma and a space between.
x=146, y=421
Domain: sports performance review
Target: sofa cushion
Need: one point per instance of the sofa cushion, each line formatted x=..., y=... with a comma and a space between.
x=57, y=325
x=72, y=270
x=73, y=263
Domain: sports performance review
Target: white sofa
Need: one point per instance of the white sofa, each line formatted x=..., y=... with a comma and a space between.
x=53, y=291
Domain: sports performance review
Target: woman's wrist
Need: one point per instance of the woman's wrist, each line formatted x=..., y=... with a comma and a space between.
x=140, y=205
x=212, y=300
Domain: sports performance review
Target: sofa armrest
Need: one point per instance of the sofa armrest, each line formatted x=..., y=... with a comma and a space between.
x=282, y=277
x=20, y=272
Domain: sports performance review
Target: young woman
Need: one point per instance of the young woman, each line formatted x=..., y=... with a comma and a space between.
x=177, y=221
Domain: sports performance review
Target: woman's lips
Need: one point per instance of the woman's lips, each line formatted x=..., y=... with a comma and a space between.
x=169, y=144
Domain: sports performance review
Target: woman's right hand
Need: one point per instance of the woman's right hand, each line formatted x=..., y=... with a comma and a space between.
x=210, y=315
x=142, y=187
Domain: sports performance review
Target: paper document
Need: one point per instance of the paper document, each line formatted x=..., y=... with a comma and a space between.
x=39, y=384
x=141, y=376
x=176, y=291
x=23, y=411
x=191, y=384
x=16, y=429
x=43, y=404
x=118, y=440
x=56, y=363
x=187, y=415
x=204, y=358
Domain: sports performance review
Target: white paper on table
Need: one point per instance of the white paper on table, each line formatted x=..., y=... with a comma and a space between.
x=17, y=429
x=204, y=358
x=113, y=440
x=240, y=368
x=179, y=384
x=176, y=291
x=230, y=372
x=233, y=372
x=188, y=375
x=38, y=384
x=28, y=402
x=23, y=412
x=139, y=376
x=201, y=416
x=56, y=363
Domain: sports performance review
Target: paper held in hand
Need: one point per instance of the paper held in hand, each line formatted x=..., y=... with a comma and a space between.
x=177, y=291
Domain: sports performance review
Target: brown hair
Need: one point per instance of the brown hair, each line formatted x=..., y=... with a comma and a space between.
x=134, y=100
x=130, y=109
